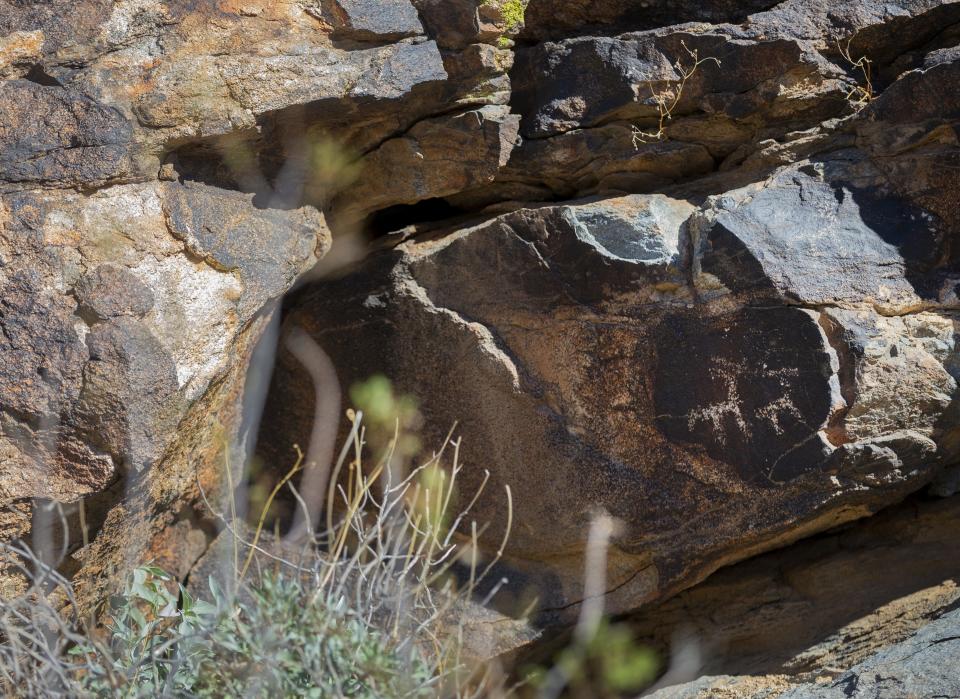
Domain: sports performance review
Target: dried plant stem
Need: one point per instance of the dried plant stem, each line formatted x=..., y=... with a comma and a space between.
x=667, y=100
x=859, y=95
x=266, y=508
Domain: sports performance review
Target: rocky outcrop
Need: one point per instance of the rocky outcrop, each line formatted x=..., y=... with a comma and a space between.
x=807, y=613
x=119, y=324
x=419, y=165
x=162, y=170
x=690, y=263
x=735, y=332
x=924, y=665
x=638, y=351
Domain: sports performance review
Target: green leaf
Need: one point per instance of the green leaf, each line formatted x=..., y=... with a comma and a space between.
x=201, y=608
x=216, y=591
x=187, y=600
x=139, y=619
x=156, y=572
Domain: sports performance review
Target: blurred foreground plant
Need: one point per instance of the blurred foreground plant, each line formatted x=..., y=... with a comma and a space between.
x=602, y=658
x=368, y=607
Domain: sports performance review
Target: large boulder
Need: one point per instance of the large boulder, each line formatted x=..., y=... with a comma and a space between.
x=163, y=166
x=126, y=312
x=723, y=378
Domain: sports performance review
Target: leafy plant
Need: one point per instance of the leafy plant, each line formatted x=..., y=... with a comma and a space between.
x=277, y=640
x=392, y=421
x=149, y=637
x=602, y=659
x=609, y=663
x=511, y=17
x=513, y=14
x=369, y=607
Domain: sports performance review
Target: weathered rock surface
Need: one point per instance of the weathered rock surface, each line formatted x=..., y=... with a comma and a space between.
x=924, y=665
x=436, y=157
x=809, y=612
x=718, y=399
x=55, y=135
x=366, y=20
x=763, y=349
x=158, y=189
x=116, y=330
x=714, y=293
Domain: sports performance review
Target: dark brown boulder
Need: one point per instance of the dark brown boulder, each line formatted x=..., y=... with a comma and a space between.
x=711, y=376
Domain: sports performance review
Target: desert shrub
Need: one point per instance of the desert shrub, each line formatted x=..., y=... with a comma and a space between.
x=368, y=607
x=278, y=640
x=371, y=606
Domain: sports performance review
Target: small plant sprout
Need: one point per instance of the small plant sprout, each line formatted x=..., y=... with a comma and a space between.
x=666, y=100
x=859, y=94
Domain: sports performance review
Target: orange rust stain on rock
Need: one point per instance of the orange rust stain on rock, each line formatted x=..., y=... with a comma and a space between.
x=20, y=47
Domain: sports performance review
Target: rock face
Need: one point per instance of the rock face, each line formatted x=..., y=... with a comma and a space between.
x=804, y=614
x=119, y=332
x=730, y=334
x=923, y=665
x=690, y=263
x=600, y=344
x=163, y=166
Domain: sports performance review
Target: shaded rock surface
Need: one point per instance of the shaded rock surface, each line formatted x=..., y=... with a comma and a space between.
x=806, y=614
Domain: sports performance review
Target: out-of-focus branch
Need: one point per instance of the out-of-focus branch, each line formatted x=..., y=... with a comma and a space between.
x=323, y=374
